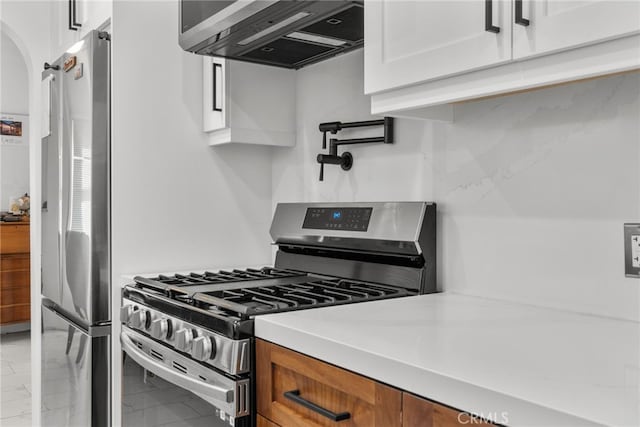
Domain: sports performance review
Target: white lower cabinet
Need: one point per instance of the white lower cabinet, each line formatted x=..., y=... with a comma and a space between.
x=248, y=103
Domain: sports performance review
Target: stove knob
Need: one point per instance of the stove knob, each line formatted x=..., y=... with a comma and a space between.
x=139, y=319
x=159, y=329
x=203, y=348
x=125, y=313
x=184, y=339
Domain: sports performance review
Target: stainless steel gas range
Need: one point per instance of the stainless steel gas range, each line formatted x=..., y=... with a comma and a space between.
x=188, y=338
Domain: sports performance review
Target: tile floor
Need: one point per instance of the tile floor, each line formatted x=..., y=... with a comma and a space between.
x=15, y=380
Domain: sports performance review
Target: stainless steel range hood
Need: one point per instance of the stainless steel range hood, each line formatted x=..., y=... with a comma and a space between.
x=282, y=33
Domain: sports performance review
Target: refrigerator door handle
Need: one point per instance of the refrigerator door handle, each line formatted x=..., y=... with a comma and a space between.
x=61, y=209
x=212, y=391
x=94, y=331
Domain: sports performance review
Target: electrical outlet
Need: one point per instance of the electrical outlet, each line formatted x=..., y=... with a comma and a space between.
x=632, y=250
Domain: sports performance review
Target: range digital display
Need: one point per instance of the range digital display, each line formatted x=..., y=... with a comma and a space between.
x=346, y=219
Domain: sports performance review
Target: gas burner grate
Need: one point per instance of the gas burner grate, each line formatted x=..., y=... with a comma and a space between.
x=213, y=278
x=272, y=299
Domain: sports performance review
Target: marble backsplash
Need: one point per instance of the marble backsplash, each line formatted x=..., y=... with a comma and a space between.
x=532, y=189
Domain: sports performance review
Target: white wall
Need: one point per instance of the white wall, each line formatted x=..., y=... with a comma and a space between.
x=13, y=78
x=27, y=24
x=532, y=189
x=178, y=204
x=14, y=99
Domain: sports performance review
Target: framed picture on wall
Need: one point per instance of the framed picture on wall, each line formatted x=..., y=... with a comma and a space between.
x=13, y=129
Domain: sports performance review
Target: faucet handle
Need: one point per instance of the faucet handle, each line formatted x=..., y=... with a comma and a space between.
x=345, y=161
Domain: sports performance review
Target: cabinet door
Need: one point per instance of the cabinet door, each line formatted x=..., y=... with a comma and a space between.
x=71, y=20
x=62, y=34
x=296, y=390
x=90, y=14
x=214, y=87
x=414, y=41
x=418, y=412
x=555, y=25
x=263, y=422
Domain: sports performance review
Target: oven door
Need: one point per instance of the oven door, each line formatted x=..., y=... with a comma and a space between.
x=163, y=387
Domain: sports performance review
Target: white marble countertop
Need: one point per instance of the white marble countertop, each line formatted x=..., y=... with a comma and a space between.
x=515, y=364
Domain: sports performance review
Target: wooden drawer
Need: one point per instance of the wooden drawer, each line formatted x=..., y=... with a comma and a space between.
x=15, y=262
x=279, y=370
x=12, y=296
x=419, y=412
x=15, y=313
x=14, y=238
x=15, y=283
x=263, y=422
x=14, y=279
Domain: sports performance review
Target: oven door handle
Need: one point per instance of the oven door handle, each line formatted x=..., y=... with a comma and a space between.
x=160, y=369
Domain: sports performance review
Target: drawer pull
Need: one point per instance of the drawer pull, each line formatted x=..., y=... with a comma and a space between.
x=295, y=396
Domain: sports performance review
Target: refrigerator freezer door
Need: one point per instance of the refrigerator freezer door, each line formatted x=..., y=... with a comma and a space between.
x=77, y=279
x=75, y=374
x=51, y=273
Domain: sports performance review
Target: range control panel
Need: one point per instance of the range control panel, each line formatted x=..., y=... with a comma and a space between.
x=328, y=218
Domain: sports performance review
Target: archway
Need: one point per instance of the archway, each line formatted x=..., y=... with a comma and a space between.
x=14, y=123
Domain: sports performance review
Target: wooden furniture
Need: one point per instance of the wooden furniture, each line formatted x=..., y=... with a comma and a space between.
x=419, y=412
x=297, y=390
x=280, y=371
x=263, y=422
x=15, y=290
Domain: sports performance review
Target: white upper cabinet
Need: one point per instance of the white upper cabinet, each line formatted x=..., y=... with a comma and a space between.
x=92, y=13
x=413, y=41
x=421, y=54
x=555, y=25
x=214, y=94
x=71, y=20
x=248, y=103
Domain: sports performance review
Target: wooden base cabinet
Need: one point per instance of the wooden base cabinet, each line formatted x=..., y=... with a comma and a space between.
x=297, y=390
x=419, y=412
x=15, y=293
x=263, y=422
x=318, y=391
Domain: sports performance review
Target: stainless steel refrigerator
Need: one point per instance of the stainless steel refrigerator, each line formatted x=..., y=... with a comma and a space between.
x=76, y=273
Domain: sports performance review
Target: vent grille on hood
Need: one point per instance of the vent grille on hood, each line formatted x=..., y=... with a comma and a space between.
x=346, y=25
x=288, y=51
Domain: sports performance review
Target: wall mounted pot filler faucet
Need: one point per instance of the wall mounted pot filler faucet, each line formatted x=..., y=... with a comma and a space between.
x=346, y=159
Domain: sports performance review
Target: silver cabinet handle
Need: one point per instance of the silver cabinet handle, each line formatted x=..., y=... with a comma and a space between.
x=161, y=370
